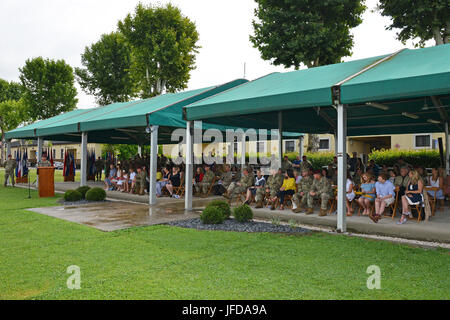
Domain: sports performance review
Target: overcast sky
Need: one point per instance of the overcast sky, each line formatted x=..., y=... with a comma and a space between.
x=61, y=29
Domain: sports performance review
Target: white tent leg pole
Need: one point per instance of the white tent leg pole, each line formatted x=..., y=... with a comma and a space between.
x=243, y=149
x=447, y=149
x=83, y=167
x=335, y=143
x=342, y=167
x=40, y=145
x=300, y=147
x=189, y=166
x=153, y=164
x=280, y=137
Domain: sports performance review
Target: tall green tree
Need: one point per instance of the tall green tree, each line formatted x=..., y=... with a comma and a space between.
x=11, y=115
x=106, y=70
x=163, y=44
x=48, y=88
x=10, y=90
x=309, y=32
x=418, y=19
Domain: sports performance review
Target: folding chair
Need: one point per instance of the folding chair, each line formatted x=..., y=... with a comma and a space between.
x=432, y=200
x=393, y=206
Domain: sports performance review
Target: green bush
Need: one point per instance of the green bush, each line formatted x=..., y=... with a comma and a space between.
x=83, y=191
x=243, y=213
x=223, y=206
x=96, y=194
x=72, y=195
x=212, y=215
x=426, y=158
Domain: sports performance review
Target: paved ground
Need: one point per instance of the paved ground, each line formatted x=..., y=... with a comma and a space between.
x=120, y=214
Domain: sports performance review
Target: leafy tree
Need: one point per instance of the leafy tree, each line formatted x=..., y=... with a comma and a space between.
x=163, y=44
x=11, y=115
x=10, y=90
x=48, y=88
x=106, y=72
x=315, y=33
x=423, y=19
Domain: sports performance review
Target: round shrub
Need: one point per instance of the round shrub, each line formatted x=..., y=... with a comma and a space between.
x=223, y=206
x=83, y=191
x=72, y=195
x=96, y=194
x=243, y=213
x=212, y=215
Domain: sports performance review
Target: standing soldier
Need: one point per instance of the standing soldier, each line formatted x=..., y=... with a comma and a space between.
x=236, y=188
x=10, y=165
x=98, y=168
x=286, y=164
x=204, y=185
x=44, y=162
x=140, y=181
x=320, y=188
x=305, y=164
x=303, y=188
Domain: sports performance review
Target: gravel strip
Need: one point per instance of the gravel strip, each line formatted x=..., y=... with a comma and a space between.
x=233, y=225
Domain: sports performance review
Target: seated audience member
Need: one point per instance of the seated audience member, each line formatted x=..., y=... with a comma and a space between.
x=140, y=179
x=296, y=163
x=286, y=164
x=174, y=181
x=130, y=177
x=368, y=193
x=360, y=165
x=320, y=189
x=204, y=185
x=350, y=194
x=402, y=181
x=225, y=179
x=436, y=181
x=298, y=177
x=396, y=169
x=305, y=164
x=287, y=188
x=299, y=198
x=198, y=177
x=374, y=168
x=119, y=179
x=236, y=188
x=385, y=196
x=163, y=181
x=392, y=176
x=357, y=177
x=412, y=196
x=111, y=176
x=352, y=162
x=423, y=174
x=258, y=188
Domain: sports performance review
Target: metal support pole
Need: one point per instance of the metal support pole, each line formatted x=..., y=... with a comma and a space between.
x=84, y=151
x=40, y=145
x=153, y=164
x=335, y=143
x=189, y=166
x=243, y=149
x=342, y=167
x=300, y=147
x=447, y=149
x=280, y=137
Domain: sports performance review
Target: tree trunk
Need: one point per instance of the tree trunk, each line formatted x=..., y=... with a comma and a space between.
x=313, y=143
x=438, y=36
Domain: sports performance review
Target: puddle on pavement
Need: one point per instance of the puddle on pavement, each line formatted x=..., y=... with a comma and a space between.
x=117, y=215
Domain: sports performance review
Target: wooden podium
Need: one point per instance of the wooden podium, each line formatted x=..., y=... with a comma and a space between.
x=46, y=181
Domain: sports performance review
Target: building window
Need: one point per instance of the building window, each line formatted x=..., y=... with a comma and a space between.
x=324, y=144
x=422, y=141
x=289, y=146
x=260, y=147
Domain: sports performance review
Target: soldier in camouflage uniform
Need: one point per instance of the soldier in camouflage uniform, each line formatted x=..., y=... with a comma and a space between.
x=204, y=185
x=305, y=164
x=44, y=162
x=320, y=188
x=10, y=165
x=286, y=164
x=225, y=179
x=140, y=181
x=273, y=185
x=303, y=188
x=236, y=188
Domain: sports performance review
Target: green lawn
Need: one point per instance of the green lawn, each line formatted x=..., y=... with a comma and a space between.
x=162, y=262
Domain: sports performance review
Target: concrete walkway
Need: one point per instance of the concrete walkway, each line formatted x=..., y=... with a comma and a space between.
x=437, y=229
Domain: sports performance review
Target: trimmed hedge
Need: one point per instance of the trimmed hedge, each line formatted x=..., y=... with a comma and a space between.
x=212, y=215
x=96, y=194
x=223, y=206
x=243, y=213
x=72, y=195
x=83, y=191
x=426, y=158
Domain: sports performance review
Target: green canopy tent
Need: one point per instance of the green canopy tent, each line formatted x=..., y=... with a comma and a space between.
x=132, y=122
x=404, y=92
